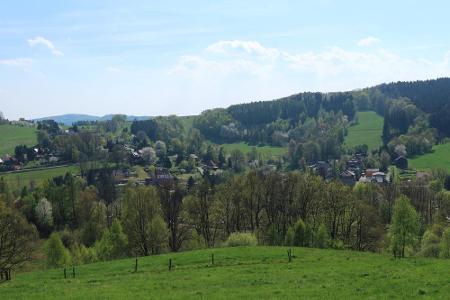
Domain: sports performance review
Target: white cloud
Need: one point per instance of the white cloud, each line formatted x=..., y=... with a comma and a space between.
x=249, y=47
x=39, y=40
x=368, y=41
x=17, y=62
x=113, y=69
x=332, y=68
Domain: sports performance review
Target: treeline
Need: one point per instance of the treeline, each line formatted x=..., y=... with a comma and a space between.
x=430, y=96
x=87, y=223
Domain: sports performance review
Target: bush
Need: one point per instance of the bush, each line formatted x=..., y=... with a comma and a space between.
x=321, y=239
x=237, y=239
x=113, y=243
x=289, y=238
x=299, y=236
x=429, y=245
x=445, y=244
x=57, y=254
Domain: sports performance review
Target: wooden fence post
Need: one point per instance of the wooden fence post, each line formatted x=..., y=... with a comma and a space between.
x=289, y=252
x=212, y=259
x=136, y=265
x=73, y=272
x=170, y=264
x=65, y=272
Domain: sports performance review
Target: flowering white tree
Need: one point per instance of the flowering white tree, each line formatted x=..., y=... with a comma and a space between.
x=400, y=150
x=148, y=154
x=44, y=213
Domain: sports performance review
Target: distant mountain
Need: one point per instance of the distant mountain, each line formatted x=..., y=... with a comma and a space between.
x=69, y=119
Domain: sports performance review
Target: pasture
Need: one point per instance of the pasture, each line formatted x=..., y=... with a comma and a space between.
x=242, y=273
x=25, y=177
x=13, y=135
x=266, y=151
x=439, y=158
x=367, y=131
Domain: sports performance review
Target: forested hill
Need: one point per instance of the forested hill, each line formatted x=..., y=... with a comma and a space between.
x=430, y=96
x=295, y=107
x=416, y=116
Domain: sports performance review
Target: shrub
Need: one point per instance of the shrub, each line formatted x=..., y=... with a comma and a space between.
x=289, y=238
x=299, y=236
x=430, y=244
x=57, y=254
x=321, y=239
x=237, y=239
x=113, y=243
x=445, y=244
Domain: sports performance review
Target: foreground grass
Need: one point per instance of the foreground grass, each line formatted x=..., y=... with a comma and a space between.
x=266, y=151
x=243, y=273
x=12, y=135
x=25, y=177
x=439, y=158
x=368, y=130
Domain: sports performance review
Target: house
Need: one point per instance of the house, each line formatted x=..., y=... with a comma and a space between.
x=355, y=165
x=211, y=166
x=401, y=162
x=121, y=176
x=323, y=169
x=348, y=177
x=378, y=177
x=369, y=172
x=373, y=175
x=163, y=177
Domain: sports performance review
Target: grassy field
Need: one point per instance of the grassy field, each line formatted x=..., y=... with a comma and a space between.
x=12, y=135
x=368, y=131
x=440, y=157
x=266, y=151
x=243, y=273
x=20, y=179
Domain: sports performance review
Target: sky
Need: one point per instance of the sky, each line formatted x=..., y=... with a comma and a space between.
x=182, y=57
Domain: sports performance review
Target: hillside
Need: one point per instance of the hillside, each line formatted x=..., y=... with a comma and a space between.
x=12, y=135
x=439, y=158
x=242, y=273
x=367, y=131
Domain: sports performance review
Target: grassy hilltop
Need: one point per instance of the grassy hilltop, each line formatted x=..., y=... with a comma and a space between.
x=243, y=273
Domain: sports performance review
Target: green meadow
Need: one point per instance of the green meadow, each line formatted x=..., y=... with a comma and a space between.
x=24, y=177
x=367, y=131
x=243, y=273
x=439, y=158
x=13, y=135
x=266, y=151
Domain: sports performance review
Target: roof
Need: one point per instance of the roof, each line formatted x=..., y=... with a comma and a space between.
x=347, y=173
x=379, y=174
x=400, y=157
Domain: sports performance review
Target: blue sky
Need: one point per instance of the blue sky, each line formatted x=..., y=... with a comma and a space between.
x=182, y=57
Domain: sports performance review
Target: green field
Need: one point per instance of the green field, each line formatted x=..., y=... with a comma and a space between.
x=12, y=135
x=267, y=151
x=243, y=273
x=367, y=131
x=20, y=179
x=439, y=158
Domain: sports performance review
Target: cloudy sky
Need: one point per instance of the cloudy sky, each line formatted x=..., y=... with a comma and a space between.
x=182, y=57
